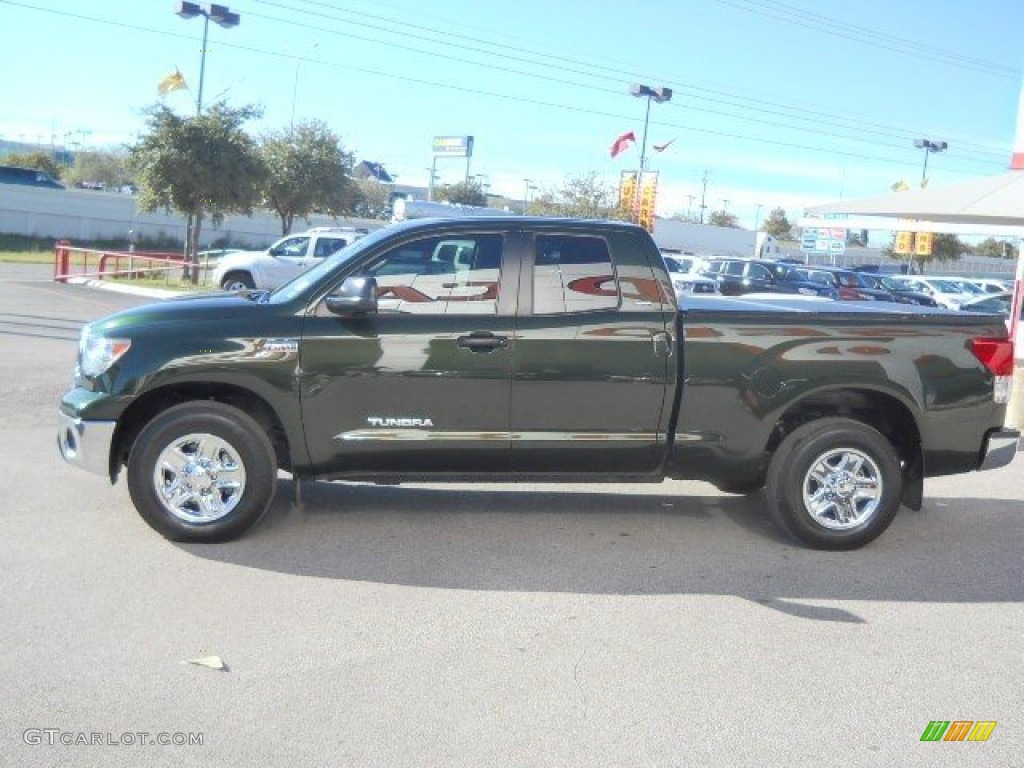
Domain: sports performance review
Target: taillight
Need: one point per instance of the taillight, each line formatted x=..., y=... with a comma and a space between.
x=995, y=354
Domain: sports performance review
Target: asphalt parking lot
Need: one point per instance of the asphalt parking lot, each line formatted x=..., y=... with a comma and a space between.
x=662, y=625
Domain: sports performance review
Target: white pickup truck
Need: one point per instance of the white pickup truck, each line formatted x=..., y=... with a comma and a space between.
x=290, y=256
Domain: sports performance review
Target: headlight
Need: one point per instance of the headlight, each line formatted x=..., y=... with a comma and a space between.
x=97, y=353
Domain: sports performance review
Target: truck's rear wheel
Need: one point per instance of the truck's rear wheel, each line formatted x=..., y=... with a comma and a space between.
x=202, y=471
x=237, y=281
x=835, y=484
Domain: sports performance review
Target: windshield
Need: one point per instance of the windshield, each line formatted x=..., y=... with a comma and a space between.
x=788, y=274
x=299, y=285
x=816, y=276
x=945, y=286
x=966, y=287
x=892, y=285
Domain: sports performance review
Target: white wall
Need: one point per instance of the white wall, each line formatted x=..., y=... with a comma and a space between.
x=86, y=215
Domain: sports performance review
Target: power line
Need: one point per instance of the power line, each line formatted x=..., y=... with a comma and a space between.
x=830, y=120
x=490, y=94
x=819, y=114
x=676, y=80
x=846, y=31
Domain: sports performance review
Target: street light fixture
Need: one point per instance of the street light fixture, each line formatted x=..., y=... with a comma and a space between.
x=660, y=95
x=929, y=147
x=222, y=16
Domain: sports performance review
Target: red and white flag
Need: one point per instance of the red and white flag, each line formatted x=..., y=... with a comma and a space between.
x=622, y=143
x=663, y=147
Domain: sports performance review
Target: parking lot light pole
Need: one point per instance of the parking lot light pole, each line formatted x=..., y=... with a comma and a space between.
x=222, y=16
x=929, y=147
x=660, y=95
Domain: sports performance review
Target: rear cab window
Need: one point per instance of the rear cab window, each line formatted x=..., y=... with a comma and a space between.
x=573, y=273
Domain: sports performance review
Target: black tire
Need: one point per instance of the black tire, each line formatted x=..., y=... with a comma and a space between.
x=210, y=507
x=237, y=281
x=829, y=444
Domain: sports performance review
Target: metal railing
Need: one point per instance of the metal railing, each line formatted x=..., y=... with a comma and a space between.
x=74, y=262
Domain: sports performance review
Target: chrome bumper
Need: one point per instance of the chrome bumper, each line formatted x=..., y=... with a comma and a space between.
x=1000, y=448
x=86, y=444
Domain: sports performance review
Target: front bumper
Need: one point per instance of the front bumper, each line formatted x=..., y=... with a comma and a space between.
x=1000, y=448
x=85, y=443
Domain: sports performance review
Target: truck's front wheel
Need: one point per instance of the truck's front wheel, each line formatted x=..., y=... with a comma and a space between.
x=835, y=484
x=237, y=281
x=202, y=472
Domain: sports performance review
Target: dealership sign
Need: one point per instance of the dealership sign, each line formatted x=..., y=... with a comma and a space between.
x=453, y=146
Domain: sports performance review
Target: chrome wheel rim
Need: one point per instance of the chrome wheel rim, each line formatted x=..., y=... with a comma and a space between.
x=842, y=489
x=199, y=478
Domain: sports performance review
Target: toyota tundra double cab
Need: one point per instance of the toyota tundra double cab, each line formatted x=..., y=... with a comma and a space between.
x=513, y=348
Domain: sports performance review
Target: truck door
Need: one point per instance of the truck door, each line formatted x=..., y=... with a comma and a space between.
x=423, y=385
x=593, y=360
x=287, y=259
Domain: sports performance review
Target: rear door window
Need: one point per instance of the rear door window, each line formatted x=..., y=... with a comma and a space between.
x=573, y=273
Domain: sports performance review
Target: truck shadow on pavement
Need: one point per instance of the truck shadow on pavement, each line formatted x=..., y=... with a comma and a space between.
x=639, y=543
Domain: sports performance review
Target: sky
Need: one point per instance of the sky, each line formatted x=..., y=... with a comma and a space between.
x=780, y=103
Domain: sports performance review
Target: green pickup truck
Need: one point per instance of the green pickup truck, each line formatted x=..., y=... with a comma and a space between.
x=511, y=348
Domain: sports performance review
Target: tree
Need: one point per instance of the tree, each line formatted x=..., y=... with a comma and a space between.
x=996, y=249
x=307, y=171
x=40, y=161
x=946, y=248
x=371, y=199
x=198, y=165
x=723, y=219
x=777, y=225
x=463, y=193
x=103, y=167
x=579, y=196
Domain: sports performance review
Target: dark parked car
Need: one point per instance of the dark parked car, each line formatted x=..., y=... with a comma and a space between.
x=994, y=303
x=900, y=292
x=850, y=285
x=740, y=276
x=30, y=177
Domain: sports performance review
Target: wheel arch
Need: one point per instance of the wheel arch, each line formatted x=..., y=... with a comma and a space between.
x=240, y=271
x=888, y=414
x=144, y=408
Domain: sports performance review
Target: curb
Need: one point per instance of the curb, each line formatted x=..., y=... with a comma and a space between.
x=152, y=293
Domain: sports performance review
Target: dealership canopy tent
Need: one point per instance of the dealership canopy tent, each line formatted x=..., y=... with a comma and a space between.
x=985, y=202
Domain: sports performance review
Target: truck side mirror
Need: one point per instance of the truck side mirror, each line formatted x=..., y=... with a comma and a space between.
x=355, y=296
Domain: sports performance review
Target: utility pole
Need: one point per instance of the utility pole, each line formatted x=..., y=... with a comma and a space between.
x=689, y=207
x=703, y=196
